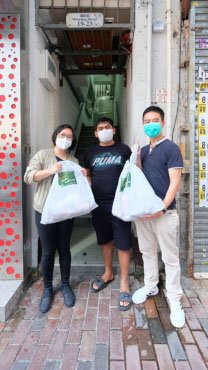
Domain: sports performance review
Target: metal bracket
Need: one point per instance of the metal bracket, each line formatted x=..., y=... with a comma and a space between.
x=185, y=64
x=184, y=129
x=186, y=166
x=197, y=29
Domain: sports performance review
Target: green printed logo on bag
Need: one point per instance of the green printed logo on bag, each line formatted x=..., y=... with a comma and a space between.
x=125, y=182
x=66, y=178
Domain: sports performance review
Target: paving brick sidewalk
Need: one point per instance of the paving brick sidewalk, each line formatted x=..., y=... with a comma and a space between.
x=95, y=335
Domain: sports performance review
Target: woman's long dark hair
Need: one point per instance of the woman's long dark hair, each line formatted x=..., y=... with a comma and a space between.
x=58, y=130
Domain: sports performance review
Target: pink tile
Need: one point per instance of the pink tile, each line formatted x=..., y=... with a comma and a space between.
x=21, y=332
x=191, y=319
x=117, y=365
x=91, y=319
x=75, y=331
x=132, y=358
x=79, y=308
x=58, y=345
x=103, y=308
x=9, y=357
x=87, y=346
x=103, y=330
x=116, y=319
x=39, y=358
x=202, y=341
x=185, y=335
x=194, y=357
x=116, y=345
x=163, y=357
x=83, y=290
x=29, y=346
x=149, y=365
x=182, y=365
x=48, y=331
x=198, y=308
x=70, y=356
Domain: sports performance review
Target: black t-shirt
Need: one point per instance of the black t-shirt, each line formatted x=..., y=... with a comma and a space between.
x=106, y=164
x=157, y=163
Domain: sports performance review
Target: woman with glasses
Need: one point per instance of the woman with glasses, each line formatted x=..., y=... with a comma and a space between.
x=41, y=170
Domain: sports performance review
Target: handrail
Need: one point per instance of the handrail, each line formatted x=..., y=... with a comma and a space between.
x=78, y=127
x=118, y=122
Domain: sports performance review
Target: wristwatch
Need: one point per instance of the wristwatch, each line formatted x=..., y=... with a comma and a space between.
x=164, y=210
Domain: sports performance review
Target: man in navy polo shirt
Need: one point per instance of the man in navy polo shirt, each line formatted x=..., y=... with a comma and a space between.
x=162, y=164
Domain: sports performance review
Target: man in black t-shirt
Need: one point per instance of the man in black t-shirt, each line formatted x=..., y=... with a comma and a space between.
x=104, y=163
x=162, y=163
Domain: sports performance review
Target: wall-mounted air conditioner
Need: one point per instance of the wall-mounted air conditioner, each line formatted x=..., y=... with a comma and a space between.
x=47, y=70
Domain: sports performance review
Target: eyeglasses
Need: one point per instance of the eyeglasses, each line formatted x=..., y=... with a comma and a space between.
x=107, y=127
x=62, y=136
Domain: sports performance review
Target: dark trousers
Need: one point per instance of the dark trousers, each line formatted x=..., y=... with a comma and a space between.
x=55, y=236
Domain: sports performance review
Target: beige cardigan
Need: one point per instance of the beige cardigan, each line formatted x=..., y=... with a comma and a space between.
x=43, y=160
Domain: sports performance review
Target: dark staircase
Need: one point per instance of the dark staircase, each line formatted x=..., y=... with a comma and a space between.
x=87, y=140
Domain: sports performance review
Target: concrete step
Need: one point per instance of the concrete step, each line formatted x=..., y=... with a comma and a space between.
x=11, y=292
x=93, y=269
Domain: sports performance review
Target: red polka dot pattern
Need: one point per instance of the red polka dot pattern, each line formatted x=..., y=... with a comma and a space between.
x=9, y=231
x=10, y=181
x=10, y=270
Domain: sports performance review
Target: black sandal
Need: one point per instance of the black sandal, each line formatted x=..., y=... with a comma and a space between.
x=100, y=283
x=125, y=297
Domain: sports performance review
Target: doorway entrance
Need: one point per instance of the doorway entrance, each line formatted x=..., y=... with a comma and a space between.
x=92, y=62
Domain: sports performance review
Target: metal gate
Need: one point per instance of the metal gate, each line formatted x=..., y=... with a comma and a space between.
x=198, y=104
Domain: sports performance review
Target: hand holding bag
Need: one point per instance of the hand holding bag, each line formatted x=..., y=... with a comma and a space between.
x=70, y=195
x=134, y=196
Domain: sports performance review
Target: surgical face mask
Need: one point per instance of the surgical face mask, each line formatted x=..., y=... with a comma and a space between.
x=63, y=143
x=153, y=129
x=105, y=136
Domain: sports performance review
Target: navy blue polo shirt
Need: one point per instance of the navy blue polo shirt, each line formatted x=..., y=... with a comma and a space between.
x=156, y=164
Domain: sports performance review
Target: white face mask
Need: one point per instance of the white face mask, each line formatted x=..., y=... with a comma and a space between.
x=105, y=136
x=63, y=143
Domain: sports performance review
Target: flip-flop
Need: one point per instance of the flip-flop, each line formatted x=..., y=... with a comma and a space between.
x=125, y=297
x=100, y=283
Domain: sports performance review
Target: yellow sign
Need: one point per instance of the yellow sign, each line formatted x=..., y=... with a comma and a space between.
x=203, y=145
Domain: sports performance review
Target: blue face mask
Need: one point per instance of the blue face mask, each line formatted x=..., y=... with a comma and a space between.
x=153, y=129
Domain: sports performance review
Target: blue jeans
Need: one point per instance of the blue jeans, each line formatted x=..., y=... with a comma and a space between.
x=52, y=237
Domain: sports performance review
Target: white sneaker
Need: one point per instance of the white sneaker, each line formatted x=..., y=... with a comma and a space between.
x=142, y=294
x=177, y=316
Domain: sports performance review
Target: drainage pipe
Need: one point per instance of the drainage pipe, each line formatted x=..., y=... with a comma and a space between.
x=169, y=70
x=149, y=57
x=149, y=52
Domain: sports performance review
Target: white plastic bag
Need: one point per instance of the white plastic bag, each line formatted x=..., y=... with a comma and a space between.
x=134, y=196
x=70, y=195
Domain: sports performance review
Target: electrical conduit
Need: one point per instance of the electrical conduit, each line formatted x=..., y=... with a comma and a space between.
x=169, y=84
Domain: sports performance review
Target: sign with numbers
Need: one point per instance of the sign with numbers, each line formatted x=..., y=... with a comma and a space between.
x=84, y=20
x=161, y=96
x=203, y=145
